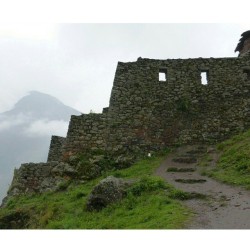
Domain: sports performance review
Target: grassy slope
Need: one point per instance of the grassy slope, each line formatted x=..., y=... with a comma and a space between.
x=233, y=166
x=148, y=204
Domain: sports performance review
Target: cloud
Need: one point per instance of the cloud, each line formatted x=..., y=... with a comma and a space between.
x=27, y=126
x=7, y=122
x=41, y=128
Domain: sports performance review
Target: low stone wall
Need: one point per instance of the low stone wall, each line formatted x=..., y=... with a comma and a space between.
x=39, y=177
x=55, y=150
x=86, y=132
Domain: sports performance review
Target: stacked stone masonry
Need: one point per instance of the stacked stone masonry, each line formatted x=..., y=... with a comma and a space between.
x=148, y=114
x=39, y=177
x=55, y=150
x=86, y=132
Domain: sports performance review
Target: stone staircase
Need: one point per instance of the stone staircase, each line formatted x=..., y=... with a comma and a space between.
x=225, y=206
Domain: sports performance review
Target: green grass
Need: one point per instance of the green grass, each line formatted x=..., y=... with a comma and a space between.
x=205, y=160
x=233, y=166
x=148, y=204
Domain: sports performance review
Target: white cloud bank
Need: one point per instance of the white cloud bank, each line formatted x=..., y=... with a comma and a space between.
x=8, y=122
x=33, y=128
x=40, y=128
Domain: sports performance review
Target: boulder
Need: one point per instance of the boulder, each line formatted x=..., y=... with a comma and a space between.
x=107, y=191
x=15, y=220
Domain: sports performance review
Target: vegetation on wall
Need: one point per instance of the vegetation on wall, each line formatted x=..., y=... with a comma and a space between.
x=183, y=105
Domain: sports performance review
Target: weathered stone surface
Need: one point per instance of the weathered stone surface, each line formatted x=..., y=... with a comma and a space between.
x=63, y=169
x=15, y=220
x=185, y=159
x=39, y=178
x=88, y=170
x=108, y=191
x=55, y=151
x=146, y=114
x=86, y=132
x=123, y=161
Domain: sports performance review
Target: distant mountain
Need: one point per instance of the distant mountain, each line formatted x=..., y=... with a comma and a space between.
x=25, y=132
x=39, y=105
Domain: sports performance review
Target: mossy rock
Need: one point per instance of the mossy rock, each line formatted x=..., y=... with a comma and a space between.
x=15, y=220
x=109, y=190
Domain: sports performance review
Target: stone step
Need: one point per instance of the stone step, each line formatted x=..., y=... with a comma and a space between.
x=182, y=195
x=185, y=159
x=181, y=170
x=190, y=181
x=197, y=151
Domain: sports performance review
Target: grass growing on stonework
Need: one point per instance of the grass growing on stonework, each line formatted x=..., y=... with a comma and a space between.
x=233, y=166
x=148, y=204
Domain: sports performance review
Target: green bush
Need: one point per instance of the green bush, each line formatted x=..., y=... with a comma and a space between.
x=147, y=184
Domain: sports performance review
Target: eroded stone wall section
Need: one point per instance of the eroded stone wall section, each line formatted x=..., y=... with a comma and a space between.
x=39, y=177
x=55, y=150
x=86, y=132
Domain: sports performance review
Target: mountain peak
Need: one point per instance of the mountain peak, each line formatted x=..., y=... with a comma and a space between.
x=42, y=106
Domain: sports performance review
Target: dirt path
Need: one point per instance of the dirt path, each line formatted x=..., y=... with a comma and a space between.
x=226, y=207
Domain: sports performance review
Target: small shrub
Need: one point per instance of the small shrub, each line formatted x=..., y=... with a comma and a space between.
x=183, y=105
x=80, y=195
x=243, y=168
x=15, y=219
x=63, y=185
x=147, y=184
x=44, y=219
x=130, y=201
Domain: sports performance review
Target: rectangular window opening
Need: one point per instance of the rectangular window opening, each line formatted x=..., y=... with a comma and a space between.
x=163, y=75
x=204, y=77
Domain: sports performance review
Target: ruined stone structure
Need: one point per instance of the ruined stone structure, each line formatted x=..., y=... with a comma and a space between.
x=40, y=177
x=56, y=144
x=158, y=103
x=147, y=114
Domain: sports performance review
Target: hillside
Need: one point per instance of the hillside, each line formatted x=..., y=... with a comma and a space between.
x=150, y=202
x=25, y=132
x=233, y=166
x=145, y=206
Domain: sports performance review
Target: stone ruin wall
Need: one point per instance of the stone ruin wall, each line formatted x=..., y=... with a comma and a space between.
x=86, y=132
x=153, y=113
x=55, y=150
x=147, y=114
x=39, y=178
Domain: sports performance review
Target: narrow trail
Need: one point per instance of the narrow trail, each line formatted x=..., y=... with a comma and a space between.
x=226, y=207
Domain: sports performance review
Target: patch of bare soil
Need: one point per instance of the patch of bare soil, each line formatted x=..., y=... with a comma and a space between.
x=227, y=207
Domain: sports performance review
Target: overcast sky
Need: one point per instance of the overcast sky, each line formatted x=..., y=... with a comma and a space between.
x=76, y=62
